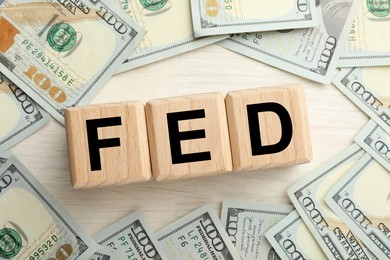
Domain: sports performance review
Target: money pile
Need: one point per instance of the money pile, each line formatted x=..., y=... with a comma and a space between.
x=340, y=211
x=59, y=53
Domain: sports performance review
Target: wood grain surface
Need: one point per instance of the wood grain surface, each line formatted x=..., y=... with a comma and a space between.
x=127, y=162
x=270, y=126
x=333, y=122
x=215, y=141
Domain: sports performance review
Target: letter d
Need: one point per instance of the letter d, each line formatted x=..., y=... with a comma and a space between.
x=254, y=128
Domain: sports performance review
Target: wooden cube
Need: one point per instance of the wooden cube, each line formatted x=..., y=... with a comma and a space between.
x=188, y=136
x=268, y=127
x=107, y=144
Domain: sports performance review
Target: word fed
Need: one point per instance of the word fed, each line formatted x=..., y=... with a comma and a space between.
x=196, y=135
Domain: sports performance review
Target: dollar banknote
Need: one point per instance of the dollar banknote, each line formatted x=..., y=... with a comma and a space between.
x=361, y=199
x=199, y=235
x=169, y=30
x=308, y=197
x=211, y=17
x=20, y=115
x=365, y=88
x=292, y=240
x=312, y=53
x=106, y=253
x=131, y=238
x=32, y=224
x=376, y=142
x=60, y=53
x=368, y=42
x=246, y=224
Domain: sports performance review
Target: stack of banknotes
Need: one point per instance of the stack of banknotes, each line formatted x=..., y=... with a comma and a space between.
x=340, y=211
x=56, y=54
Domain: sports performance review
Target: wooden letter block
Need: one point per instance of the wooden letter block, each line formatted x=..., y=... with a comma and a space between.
x=268, y=127
x=108, y=144
x=188, y=136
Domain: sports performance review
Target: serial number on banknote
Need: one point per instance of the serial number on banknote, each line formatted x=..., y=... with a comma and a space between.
x=54, y=68
x=44, y=248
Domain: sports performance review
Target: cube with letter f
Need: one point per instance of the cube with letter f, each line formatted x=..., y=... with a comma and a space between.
x=108, y=144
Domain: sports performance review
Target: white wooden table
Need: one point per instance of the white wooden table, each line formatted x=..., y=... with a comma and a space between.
x=333, y=119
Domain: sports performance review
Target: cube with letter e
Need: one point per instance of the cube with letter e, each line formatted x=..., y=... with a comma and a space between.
x=188, y=136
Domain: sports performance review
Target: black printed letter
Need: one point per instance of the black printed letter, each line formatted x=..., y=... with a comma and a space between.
x=175, y=136
x=94, y=143
x=254, y=128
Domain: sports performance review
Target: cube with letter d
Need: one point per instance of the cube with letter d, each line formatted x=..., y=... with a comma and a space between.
x=268, y=127
x=188, y=136
x=108, y=144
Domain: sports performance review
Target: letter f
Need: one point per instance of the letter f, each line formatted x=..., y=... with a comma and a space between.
x=94, y=143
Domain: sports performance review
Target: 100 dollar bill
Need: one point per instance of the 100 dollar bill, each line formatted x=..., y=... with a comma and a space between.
x=368, y=40
x=20, y=116
x=308, y=197
x=246, y=224
x=32, y=224
x=61, y=53
x=131, y=238
x=211, y=17
x=312, y=53
x=361, y=200
x=376, y=142
x=366, y=88
x=292, y=240
x=169, y=30
x=199, y=235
